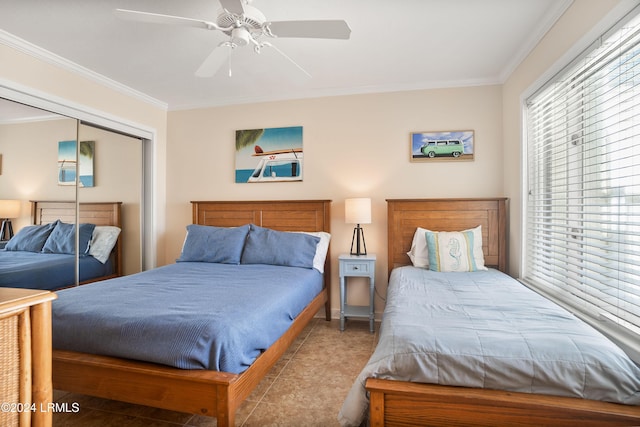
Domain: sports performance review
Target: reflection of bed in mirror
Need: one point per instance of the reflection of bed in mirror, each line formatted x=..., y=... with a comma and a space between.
x=44, y=258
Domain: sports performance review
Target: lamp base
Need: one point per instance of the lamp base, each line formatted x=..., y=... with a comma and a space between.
x=358, y=234
x=6, y=231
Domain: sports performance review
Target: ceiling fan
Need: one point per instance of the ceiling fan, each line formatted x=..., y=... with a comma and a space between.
x=245, y=25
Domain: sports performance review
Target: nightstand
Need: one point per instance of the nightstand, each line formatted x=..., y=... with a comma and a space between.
x=357, y=266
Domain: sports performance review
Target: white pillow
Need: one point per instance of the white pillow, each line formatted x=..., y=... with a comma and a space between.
x=321, y=249
x=102, y=242
x=419, y=253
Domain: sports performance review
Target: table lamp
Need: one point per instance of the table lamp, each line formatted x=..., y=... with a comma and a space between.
x=358, y=211
x=8, y=209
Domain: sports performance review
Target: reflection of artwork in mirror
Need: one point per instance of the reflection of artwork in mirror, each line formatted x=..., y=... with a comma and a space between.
x=67, y=163
x=269, y=155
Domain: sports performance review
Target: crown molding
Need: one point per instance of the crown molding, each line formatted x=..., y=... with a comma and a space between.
x=327, y=93
x=548, y=21
x=37, y=52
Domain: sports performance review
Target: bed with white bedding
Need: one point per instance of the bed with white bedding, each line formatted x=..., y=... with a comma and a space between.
x=484, y=329
x=479, y=348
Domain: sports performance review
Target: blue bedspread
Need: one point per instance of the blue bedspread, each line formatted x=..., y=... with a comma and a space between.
x=189, y=315
x=36, y=270
x=486, y=330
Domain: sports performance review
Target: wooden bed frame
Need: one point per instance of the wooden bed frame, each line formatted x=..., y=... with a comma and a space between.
x=98, y=213
x=210, y=393
x=395, y=403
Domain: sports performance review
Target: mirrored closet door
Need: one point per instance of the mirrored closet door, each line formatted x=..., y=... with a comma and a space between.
x=113, y=174
x=51, y=176
x=33, y=160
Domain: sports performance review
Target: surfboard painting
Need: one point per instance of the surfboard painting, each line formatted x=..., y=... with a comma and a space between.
x=269, y=155
x=68, y=167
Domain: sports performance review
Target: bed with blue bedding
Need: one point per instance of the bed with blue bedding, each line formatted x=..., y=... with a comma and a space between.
x=464, y=344
x=188, y=315
x=197, y=336
x=483, y=329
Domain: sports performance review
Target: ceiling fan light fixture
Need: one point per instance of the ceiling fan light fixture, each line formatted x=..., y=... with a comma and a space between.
x=240, y=36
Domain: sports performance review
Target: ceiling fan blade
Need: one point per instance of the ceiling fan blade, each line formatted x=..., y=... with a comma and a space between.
x=156, y=18
x=214, y=61
x=331, y=29
x=233, y=6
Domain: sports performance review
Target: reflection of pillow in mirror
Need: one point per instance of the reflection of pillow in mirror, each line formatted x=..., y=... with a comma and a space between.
x=321, y=248
x=30, y=238
x=272, y=247
x=102, y=242
x=62, y=239
x=206, y=243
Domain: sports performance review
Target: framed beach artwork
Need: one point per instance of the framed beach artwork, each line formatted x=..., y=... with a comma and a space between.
x=67, y=163
x=269, y=155
x=438, y=146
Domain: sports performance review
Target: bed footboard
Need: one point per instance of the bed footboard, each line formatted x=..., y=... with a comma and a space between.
x=203, y=392
x=395, y=403
x=143, y=383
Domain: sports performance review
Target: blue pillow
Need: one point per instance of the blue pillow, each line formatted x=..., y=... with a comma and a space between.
x=30, y=238
x=62, y=239
x=266, y=246
x=205, y=243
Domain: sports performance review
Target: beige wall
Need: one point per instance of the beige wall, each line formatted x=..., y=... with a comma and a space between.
x=578, y=27
x=354, y=146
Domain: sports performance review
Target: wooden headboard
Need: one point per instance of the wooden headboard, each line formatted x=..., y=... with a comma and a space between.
x=404, y=215
x=283, y=215
x=99, y=213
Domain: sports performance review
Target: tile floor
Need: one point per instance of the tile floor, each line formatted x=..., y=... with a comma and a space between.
x=306, y=387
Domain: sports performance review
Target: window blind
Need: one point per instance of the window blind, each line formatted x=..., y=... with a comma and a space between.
x=582, y=216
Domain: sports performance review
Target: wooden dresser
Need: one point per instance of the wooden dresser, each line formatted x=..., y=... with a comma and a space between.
x=25, y=357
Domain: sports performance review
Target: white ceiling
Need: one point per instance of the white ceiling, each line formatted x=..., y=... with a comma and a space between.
x=394, y=45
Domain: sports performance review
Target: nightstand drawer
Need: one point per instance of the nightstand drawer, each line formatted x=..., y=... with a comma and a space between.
x=357, y=267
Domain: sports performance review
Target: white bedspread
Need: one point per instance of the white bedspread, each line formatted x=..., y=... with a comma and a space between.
x=486, y=330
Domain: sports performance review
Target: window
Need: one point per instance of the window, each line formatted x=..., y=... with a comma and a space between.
x=582, y=219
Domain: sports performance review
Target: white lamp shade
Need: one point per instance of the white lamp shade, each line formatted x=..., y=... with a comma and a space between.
x=357, y=211
x=9, y=209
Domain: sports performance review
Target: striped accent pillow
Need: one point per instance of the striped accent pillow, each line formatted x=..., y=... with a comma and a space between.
x=455, y=251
